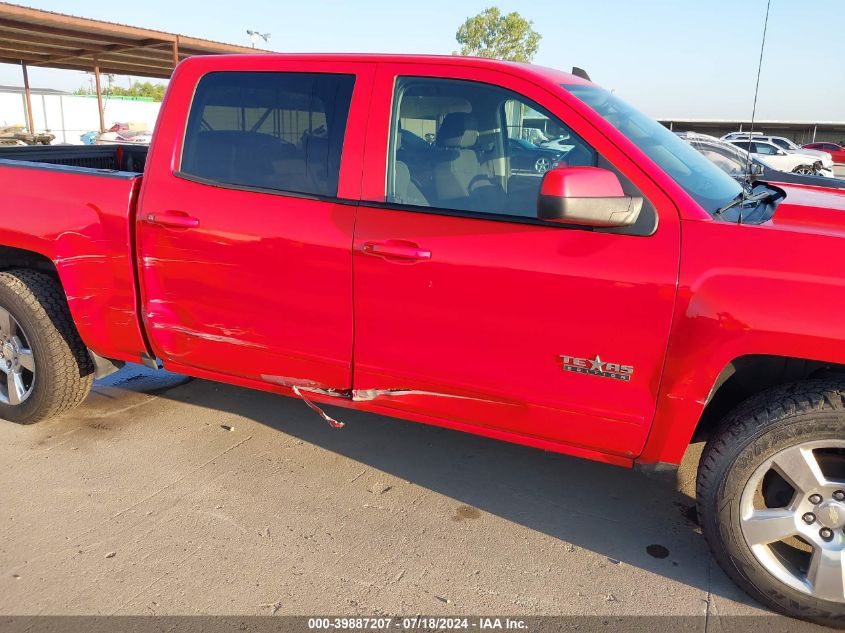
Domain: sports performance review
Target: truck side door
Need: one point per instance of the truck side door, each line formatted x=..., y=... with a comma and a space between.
x=245, y=225
x=470, y=312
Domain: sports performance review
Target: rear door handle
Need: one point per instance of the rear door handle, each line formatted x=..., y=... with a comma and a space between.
x=175, y=219
x=396, y=249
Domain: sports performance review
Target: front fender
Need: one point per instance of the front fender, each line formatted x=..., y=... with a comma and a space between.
x=745, y=290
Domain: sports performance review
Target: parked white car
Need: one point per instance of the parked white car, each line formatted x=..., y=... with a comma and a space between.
x=562, y=144
x=784, y=143
x=780, y=159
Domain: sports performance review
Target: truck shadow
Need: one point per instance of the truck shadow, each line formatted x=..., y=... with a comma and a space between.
x=621, y=515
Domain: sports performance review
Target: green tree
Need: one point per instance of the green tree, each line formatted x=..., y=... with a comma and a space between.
x=491, y=34
x=139, y=89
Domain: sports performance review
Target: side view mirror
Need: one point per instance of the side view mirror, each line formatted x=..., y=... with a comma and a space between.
x=756, y=169
x=587, y=196
x=781, y=152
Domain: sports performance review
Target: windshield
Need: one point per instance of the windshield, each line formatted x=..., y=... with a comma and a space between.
x=702, y=180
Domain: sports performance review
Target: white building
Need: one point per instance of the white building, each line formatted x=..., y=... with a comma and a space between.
x=69, y=116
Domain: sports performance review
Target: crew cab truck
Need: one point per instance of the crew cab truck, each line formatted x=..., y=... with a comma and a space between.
x=294, y=228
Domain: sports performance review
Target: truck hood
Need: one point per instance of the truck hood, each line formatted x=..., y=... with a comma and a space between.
x=811, y=208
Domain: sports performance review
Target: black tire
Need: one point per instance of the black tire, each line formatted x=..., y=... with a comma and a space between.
x=761, y=427
x=804, y=169
x=64, y=370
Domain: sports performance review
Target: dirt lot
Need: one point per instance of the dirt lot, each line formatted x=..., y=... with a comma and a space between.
x=163, y=495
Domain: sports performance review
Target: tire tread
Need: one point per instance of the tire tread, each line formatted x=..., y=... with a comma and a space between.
x=783, y=407
x=71, y=371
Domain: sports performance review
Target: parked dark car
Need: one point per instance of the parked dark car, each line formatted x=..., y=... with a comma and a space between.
x=526, y=156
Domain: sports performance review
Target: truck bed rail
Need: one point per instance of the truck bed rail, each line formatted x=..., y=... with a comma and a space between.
x=130, y=158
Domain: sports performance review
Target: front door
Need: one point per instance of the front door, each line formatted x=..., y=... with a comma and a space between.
x=244, y=251
x=469, y=311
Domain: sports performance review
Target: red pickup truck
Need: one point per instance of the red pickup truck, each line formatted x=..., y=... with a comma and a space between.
x=351, y=230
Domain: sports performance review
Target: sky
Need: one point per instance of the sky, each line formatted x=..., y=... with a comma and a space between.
x=670, y=58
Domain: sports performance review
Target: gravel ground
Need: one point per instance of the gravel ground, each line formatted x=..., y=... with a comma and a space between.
x=164, y=495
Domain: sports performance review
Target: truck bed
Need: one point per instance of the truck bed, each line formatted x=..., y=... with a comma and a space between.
x=127, y=158
x=74, y=205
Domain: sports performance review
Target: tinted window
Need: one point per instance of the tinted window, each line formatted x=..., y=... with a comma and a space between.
x=470, y=146
x=764, y=148
x=782, y=143
x=702, y=180
x=280, y=131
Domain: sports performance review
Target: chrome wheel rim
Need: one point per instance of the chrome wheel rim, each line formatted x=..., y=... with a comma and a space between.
x=17, y=363
x=804, y=170
x=542, y=165
x=792, y=516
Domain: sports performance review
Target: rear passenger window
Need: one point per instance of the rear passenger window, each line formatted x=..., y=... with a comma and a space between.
x=280, y=131
x=470, y=146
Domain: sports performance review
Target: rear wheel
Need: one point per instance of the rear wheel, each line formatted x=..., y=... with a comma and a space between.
x=771, y=497
x=45, y=368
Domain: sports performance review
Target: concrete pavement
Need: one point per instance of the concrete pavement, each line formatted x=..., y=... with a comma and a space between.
x=163, y=495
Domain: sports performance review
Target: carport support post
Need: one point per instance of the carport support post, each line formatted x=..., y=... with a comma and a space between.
x=30, y=124
x=99, y=94
x=176, y=52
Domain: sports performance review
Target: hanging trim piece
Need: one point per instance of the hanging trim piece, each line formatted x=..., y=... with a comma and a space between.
x=335, y=424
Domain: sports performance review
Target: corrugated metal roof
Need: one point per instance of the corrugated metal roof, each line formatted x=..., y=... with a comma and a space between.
x=58, y=40
x=35, y=91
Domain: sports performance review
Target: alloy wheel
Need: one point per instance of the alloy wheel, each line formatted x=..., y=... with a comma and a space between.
x=17, y=363
x=542, y=165
x=793, y=518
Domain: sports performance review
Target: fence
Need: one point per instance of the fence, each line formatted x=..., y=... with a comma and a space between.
x=70, y=116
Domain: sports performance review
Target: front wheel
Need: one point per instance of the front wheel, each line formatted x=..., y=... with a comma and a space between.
x=771, y=498
x=542, y=165
x=45, y=368
x=807, y=170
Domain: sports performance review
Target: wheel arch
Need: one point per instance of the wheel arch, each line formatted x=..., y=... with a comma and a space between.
x=12, y=257
x=750, y=374
x=684, y=417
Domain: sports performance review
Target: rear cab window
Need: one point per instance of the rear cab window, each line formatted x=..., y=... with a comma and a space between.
x=277, y=131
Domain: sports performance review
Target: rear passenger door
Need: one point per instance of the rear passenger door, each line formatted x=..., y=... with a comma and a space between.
x=470, y=312
x=245, y=230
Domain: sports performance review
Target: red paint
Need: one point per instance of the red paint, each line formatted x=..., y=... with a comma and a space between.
x=83, y=223
x=836, y=151
x=470, y=315
x=581, y=182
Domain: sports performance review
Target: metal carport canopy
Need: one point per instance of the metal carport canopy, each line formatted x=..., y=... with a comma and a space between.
x=31, y=37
